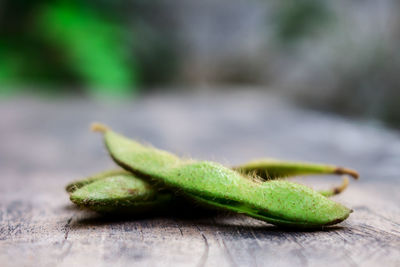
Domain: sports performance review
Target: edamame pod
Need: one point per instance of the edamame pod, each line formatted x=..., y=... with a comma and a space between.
x=278, y=202
x=269, y=169
x=272, y=169
x=71, y=187
x=117, y=192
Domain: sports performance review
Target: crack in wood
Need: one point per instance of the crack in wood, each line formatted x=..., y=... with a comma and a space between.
x=204, y=257
x=228, y=253
x=298, y=252
x=67, y=227
x=179, y=227
x=239, y=231
x=347, y=255
x=66, y=244
x=224, y=247
x=255, y=238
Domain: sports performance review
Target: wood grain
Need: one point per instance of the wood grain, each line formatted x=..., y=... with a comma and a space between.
x=44, y=145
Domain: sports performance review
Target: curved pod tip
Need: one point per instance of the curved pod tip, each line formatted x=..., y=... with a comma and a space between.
x=99, y=127
x=342, y=187
x=352, y=173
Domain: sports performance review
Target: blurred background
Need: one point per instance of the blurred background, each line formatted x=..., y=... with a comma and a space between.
x=338, y=56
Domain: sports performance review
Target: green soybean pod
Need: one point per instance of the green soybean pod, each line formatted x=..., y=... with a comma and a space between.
x=269, y=169
x=278, y=202
x=118, y=192
x=71, y=187
x=272, y=169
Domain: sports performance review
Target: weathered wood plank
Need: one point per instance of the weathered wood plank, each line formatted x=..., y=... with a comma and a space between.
x=43, y=146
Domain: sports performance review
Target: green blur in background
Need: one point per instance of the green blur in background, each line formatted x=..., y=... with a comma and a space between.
x=84, y=45
x=102, y=47
x=337, y=56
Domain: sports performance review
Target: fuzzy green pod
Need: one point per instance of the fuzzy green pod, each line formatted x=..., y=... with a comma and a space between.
x=71, y=187
x=118, y=192
x=278, y=202
x=272, y=169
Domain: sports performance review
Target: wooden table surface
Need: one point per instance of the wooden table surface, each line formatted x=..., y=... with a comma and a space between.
x=44, y=144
